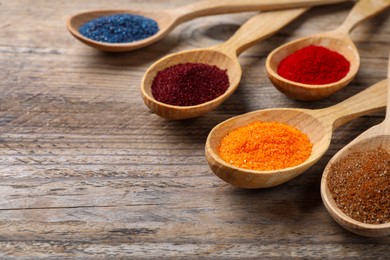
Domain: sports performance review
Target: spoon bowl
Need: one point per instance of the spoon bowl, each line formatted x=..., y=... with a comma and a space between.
x=376, y=137
x=318, y=133
x=205, y=56
x=224, y=56
x=167, y=20
x=373, y=138
x=318, y=125
x=163, y=19
x=337, y=40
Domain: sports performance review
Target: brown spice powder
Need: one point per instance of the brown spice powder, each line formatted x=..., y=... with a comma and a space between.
x=360, y=185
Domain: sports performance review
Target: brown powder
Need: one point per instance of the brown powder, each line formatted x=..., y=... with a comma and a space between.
x=360, y=185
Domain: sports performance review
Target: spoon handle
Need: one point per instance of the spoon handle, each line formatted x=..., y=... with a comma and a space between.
x=257, y=28
x=367, y=101
x=362, y=10
x=387, y=118
x=212, y=7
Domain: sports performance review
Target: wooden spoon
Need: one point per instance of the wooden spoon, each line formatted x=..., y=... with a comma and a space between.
x=317, y=124
x=337, y=40
x=169, y=19
x=224, y=56
x=375, y=137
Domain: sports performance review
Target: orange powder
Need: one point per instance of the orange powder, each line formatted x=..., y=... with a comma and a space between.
x=265, y=146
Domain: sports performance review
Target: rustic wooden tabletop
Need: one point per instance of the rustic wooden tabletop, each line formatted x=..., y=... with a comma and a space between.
x=86, y=170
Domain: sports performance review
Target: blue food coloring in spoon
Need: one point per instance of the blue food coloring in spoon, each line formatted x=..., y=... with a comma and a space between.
x=119, y=28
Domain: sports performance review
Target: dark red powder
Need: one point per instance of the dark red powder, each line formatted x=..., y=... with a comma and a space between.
x=189, y=84
x=314, y=65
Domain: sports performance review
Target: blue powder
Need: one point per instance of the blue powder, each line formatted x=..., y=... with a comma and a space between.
x=119, y=28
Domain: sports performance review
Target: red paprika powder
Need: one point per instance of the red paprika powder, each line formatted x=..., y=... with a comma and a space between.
x=189, y=84
x=314, y=65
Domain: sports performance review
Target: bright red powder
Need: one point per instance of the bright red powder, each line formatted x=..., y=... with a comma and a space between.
x=189, y=84
x=314, y=65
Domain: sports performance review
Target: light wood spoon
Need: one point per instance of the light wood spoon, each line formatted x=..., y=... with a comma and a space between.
x=224, y=56
x=167, y=20
x=317, y=124
x=337, y=40
x=375, y=137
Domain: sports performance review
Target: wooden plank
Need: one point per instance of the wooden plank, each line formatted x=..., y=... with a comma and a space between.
x=86, y=171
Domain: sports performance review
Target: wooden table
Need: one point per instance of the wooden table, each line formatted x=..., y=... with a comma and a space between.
x=86, y=170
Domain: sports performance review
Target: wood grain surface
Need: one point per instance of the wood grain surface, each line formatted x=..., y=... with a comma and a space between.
x=87, y=171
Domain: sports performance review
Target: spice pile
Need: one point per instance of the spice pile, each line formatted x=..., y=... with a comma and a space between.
x=265, y=146
x=314, y=65
x=189, y=84
x=119, y=28
x=360, y=185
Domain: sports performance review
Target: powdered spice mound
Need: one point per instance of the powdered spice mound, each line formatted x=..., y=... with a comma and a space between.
x=119, y=28
x=360, y=185
x=314, y=65
x=189, y=84
x=265, y=146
